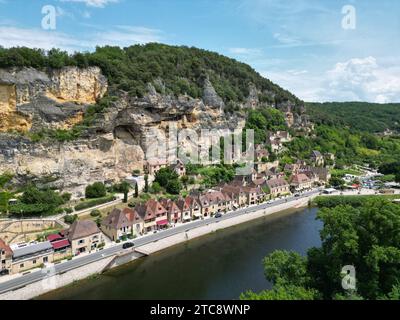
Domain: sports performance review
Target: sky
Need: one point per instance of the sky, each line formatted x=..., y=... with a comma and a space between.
x=321, y=50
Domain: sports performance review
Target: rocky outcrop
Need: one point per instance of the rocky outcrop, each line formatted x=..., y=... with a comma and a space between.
x=30, y=98
x=119, y=139
x=69, y=166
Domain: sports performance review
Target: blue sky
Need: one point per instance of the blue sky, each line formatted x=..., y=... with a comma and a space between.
x=299, y=44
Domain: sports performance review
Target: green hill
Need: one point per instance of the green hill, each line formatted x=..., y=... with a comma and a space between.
x=181, y=69
x=359, y=116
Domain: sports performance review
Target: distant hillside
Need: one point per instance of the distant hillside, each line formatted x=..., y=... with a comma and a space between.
x=171, y=69
x=360, y=116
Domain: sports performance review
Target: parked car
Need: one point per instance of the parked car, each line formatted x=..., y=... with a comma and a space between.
x=218, y=215
x=128, y=245
x=297, y=195
x=4, y=272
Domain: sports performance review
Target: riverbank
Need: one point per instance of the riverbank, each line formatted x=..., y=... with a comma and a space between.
x=219, y=265
x=59, y=280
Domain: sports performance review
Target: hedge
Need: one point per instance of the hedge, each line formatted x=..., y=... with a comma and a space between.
x=92, y=203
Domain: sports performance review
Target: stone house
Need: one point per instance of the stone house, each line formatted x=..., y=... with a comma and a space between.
x=300, y=182
x=84, y=236
x=5, y=257
x=317, y=158
x=173, y=212
x=278, y=187
x=32, y=255
x=184, y=205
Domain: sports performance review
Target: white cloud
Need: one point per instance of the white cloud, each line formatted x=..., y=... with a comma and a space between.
x=245, y=51
x=94, y=3
x=358, y=79
x=38, y=38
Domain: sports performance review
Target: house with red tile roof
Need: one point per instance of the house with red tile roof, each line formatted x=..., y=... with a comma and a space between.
x=184, y=206
x=173, y=212
x=5, y=258
x=278, y=187
x=299, y=182
x=154, y=215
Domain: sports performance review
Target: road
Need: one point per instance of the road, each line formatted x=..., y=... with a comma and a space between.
x=30, y=278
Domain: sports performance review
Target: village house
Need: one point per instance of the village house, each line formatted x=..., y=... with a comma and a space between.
x=254, y=194
x=218, y=202
x=5, y=258
x=278, y=187
x=32, y=255
x=84, y=236
x=117, y=225
x=237, y=194
x=184, y=205
x=61, y=246
x=173, y=212
x=300, y=182
x=284, y=136
x=137, y=222
x=206, y=209
x=179, y=168
x=152, y=166
x=317, y=158
x=322, y=173
x=195, y=206
x=154, y=215
x=261, y=155
x=262, y=167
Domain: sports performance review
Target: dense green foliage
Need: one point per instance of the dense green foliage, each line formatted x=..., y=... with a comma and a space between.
x=349, y=147
x=360, y=116
x=95, y=190
x=169, y=180
x=182, y=70
x=263, y=120
x=364, y=234
x=94, y=202
x=35, y=202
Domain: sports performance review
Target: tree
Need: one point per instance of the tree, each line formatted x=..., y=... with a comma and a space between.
x=95, y=213
x=96, y=190
x=146, y=183
x=337, y=182
x=125, y=187
x=165, y=175
x=363, y=235
x=397, y=177
x=174, y=186
x=136, y=190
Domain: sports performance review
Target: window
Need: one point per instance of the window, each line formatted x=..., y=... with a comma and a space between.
x=34, y=261
x=81, y=241
x=45, y=259
x=21, y=265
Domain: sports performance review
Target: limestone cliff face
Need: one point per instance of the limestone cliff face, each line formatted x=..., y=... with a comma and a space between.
x=120, y=138
x=69, y=166
x=52, y=99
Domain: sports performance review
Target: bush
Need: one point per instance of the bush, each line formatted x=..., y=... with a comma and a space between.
x=68, y=210
x=96, y=190
x=70, y=219
x=92, y=203
x=95, y=213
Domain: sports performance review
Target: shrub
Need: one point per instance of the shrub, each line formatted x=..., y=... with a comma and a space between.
x=70, y=219
x=92, y=203
x=96, y=190
x=95, y=213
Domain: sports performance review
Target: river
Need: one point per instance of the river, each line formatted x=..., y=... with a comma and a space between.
x=218, y=266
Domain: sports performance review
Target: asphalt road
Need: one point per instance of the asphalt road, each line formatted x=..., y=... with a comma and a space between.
x=30, y=278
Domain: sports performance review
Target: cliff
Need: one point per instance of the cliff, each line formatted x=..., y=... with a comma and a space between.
x=195, y=91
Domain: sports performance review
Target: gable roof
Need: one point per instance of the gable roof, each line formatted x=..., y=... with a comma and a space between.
x=117, y=219
x=300, y=178
x=132, y=215
x=275, y=183
x=150, y=209
x=7, y=250
x=81, y=229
